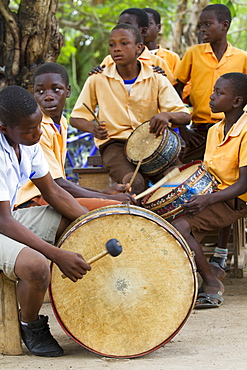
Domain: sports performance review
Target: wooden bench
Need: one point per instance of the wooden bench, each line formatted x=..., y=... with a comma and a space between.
x=95, y=175
x=10, y=337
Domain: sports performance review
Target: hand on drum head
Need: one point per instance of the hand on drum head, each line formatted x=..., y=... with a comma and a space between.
x=159, y=123
x=100, y=132
x=197, y=204
x=71, y=264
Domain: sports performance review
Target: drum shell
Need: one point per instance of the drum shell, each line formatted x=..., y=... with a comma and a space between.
x=162, y=157
x=169, y=206
x=126, y=308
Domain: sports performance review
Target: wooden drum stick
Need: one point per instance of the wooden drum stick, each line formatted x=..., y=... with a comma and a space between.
x=134, y=174
x=94, y=115
x=158, y=184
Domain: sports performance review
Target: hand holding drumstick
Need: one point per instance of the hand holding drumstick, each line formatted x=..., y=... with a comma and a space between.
x=99, y=130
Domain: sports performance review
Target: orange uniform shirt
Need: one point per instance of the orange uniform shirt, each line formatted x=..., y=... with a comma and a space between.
x=54, y=148
x=201, y=66
x=172, y=59
x=224, y=156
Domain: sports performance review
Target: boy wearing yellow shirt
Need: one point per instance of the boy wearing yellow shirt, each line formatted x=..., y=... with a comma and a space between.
x=139, y=19
x=51, y=88
x=128, y=93
x=203, y=64
x=226, y=159
x=150, y=40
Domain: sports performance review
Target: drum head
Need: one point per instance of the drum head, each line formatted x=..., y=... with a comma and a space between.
x=142, y=144
x=173, y=183
x=129, y=305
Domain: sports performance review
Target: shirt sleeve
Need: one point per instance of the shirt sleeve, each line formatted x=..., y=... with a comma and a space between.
x=183, y=72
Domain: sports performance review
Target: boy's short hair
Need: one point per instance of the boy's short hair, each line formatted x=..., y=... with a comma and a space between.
x=238, y=82
x=141, y=16
x=134, y=31
x=155, y=14
x=51, y=67
x=15, y=103
x=221, y=11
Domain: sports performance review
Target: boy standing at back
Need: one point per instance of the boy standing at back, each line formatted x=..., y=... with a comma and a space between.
x=128, y=93
x=226, y=159
x=51, y=88
x=27, y=236
x=202, y=65
x=139, y=19
x=150, y=40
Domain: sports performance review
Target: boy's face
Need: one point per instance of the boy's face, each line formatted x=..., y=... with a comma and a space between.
x=153, y=29
x=28, y=131
x=131, y=19
x=223, y=98
x=210, y=28
x=51, y=92
x=123, y=47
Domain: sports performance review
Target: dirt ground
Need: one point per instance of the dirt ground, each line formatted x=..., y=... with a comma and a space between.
x=210, y=339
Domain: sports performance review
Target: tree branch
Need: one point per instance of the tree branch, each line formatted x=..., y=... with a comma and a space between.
x=14, y=29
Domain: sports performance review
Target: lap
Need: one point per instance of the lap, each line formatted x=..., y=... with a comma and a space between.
x=43, y=221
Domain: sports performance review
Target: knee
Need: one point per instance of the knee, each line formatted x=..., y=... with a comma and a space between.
x=183, y=227
x=35, y=270
x=40, y=272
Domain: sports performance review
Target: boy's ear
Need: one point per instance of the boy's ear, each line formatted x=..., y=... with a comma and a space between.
x=3, y=128
x=238, y=102
x=143, y=31
x=226, y=24
x=68, y=91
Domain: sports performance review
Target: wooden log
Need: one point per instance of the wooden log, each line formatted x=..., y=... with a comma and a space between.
x=10, y=337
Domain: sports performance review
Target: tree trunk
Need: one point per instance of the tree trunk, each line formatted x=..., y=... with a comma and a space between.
x=28, y=38
x=185, y=28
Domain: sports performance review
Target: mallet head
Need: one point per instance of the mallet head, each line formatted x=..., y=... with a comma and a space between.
x=114, y=247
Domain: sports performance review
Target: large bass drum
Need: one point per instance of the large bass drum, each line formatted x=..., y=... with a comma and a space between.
x=132, y=304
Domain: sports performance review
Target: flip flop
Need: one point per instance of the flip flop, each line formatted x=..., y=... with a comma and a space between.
x=206, y=300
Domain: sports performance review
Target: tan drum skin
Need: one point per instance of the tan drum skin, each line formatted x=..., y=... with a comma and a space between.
x=132, y=304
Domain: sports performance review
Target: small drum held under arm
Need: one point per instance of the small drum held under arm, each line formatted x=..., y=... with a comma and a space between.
x=156, y=153
x=132, y=304
x=167, y=200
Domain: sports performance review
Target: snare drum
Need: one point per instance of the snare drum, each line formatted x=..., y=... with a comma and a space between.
x=157, y=153
x=167, y=200
x=129, y=305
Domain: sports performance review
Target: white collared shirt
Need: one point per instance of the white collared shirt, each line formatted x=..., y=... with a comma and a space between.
x=14, y=174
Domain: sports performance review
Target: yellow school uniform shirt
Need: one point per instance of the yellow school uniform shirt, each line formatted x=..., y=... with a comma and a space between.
x=151, y=60
x=124, y=112
x=54, y=147
x=172, y=59
x=224, y=156
x=201, y=66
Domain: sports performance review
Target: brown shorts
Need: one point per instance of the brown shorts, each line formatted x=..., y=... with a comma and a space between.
x=114, y=159
x=216, y=216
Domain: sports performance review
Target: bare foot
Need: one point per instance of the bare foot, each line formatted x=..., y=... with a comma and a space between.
x=218, y=272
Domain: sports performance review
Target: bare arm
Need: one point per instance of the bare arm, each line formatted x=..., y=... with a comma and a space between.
x=198, y=203
x=179, y=88
x=80, y=192
x=58, y=198
x=71, y=264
